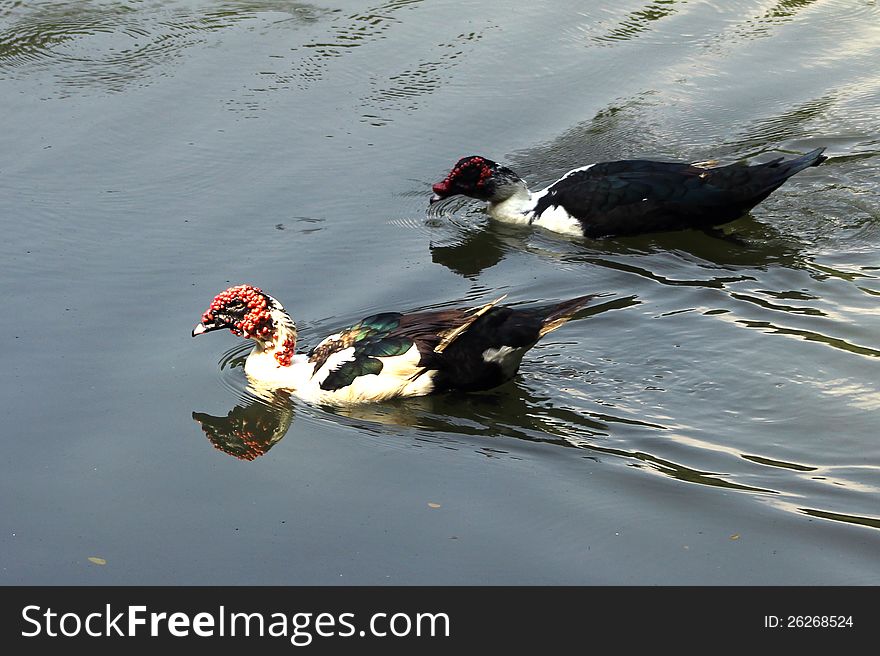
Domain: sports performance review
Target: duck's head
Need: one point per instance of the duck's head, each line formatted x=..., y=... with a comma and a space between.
x=479, y=178
x=248, y=312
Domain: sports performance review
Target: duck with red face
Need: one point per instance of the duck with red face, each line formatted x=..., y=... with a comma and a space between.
x=386, y=355
x=624, y=197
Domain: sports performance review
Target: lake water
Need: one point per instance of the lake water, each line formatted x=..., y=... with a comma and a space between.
x=712, y=420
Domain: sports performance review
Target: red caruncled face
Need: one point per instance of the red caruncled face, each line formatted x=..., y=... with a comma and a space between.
x=244, y=309
x=467, y=177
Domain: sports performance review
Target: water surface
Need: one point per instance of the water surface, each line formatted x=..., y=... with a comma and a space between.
x=712, y=420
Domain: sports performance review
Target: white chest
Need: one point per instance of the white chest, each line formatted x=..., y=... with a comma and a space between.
x=557, y=219
x=400, y=376
x=520, y=210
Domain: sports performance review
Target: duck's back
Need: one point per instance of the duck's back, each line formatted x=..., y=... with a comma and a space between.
x=634, y=196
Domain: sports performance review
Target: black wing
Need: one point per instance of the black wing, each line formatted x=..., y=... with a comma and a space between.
x=464, y=365
x=630, y=196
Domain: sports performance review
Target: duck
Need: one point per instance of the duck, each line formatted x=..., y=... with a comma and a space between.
x=385, y=355
x=624, y=197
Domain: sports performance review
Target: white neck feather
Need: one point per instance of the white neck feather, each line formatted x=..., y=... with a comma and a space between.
x=519, y=208
x=284, y=336
x=514, y=208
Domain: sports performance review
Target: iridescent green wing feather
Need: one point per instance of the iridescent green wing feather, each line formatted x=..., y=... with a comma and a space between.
x=371, y=338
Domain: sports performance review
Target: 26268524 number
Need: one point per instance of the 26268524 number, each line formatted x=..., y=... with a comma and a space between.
x=808, y=621
x=819, y=621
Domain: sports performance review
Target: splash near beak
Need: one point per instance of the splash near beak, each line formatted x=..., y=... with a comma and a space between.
x=435, y=198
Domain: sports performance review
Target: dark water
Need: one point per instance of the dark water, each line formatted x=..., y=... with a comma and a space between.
x=713, y=420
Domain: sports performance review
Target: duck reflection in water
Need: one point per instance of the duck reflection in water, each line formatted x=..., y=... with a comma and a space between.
x=251, y=428
x=470, y=251
x=458, y=421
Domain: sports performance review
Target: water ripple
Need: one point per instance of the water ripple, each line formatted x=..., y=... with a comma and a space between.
x=347, y=33
x=402, y=90
x=811, y=336
x=640, y=21
x=112, y=45
x=861, y=520
x=768, y=21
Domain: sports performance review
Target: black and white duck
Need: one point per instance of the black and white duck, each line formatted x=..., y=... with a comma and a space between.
x=385, y=355
x=624, y=197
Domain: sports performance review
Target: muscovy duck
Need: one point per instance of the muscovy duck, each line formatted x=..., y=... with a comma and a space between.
x=624, y=197
x=385, y=355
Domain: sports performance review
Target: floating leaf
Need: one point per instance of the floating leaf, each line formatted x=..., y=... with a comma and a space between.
x=433, y=505
x=97, y=561
x=735, y=536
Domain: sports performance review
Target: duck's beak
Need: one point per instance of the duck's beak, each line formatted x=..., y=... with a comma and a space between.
x=441, y=191
x=202, y=328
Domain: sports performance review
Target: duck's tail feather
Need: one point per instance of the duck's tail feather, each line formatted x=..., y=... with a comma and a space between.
x=450, y=336
x=563, y=312
x=788, y=167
